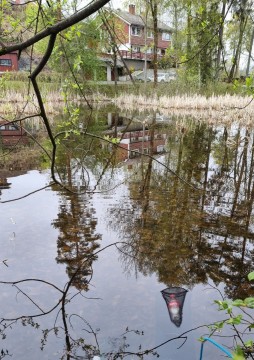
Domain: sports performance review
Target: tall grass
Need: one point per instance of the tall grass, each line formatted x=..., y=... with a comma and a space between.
x=23, y=103
x=182, y=96
x=214, y=109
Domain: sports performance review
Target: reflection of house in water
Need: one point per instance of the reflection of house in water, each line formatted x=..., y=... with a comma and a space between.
x=135, y=143
x=11, y=134
x=135, y=137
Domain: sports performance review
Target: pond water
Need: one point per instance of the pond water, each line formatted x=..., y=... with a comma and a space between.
x=181, y=216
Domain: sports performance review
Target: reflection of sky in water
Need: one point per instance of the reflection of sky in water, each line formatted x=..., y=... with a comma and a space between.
x=28, y=242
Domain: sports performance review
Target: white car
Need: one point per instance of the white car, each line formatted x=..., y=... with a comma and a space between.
x=164, y=77
x=140, y=76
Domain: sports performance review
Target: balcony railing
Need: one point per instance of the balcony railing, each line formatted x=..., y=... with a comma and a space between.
x=137, y=55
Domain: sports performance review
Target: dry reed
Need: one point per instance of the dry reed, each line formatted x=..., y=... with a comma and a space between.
x=214, y=110
x=20, y=105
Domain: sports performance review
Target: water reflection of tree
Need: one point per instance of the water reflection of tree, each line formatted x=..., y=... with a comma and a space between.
x=230, y=193
x=76, y=222
x=77, y=239
x=85, y=164
x=185, y=235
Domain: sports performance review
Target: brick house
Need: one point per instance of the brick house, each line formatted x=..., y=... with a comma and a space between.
x=136, y=46
x=9, y=62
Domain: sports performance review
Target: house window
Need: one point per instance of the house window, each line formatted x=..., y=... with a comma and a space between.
x=136, y=49
x=149, y=50
x=5, y=62
x=166, y=36
x=160, y=148
x=13, y=127
x=135, y=30
x=150, y=34
x=134, y=153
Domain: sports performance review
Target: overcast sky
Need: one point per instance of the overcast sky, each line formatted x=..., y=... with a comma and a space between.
x=117, y=4
x=123, y=4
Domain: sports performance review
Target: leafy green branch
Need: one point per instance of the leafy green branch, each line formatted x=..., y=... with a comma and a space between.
x=241, y=323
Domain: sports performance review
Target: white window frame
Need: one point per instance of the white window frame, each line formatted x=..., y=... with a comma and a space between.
x=134, y=153
x=166, y=36
x=135, y=30
x=13, y=127
x=160, y=148
x=5, y=62
x=149, y=34
x=136, y=49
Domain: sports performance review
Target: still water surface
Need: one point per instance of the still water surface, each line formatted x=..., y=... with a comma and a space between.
x=181, y=217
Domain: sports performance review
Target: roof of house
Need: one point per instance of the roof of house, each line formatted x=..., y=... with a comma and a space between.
x=137, y=20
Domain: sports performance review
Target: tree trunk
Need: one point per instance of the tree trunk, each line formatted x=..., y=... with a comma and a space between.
x=236, y=58
x=220, y=45
x=154, y=11
x=250, y=51
x=189, y=30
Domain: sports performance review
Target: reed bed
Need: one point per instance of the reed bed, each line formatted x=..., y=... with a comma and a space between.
x=223, y=109
x=20, y=104
x=215, y=109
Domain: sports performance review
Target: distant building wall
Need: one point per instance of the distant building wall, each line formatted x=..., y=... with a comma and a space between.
x=9, y=62
x=135, y=64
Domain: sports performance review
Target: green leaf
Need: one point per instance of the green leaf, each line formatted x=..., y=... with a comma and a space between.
x=238, y=357
x=249, y=343
x=248, y=81
x=251, y=276
x=249, y=302
x=238, y=302
x=201, y=339
x=219, y=302
x=219, y=325
x=238, y=354
x=235, y=320
x=235, y=84
x=224, y=305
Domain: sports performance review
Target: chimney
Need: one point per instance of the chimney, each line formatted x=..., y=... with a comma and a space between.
x=132, y=9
